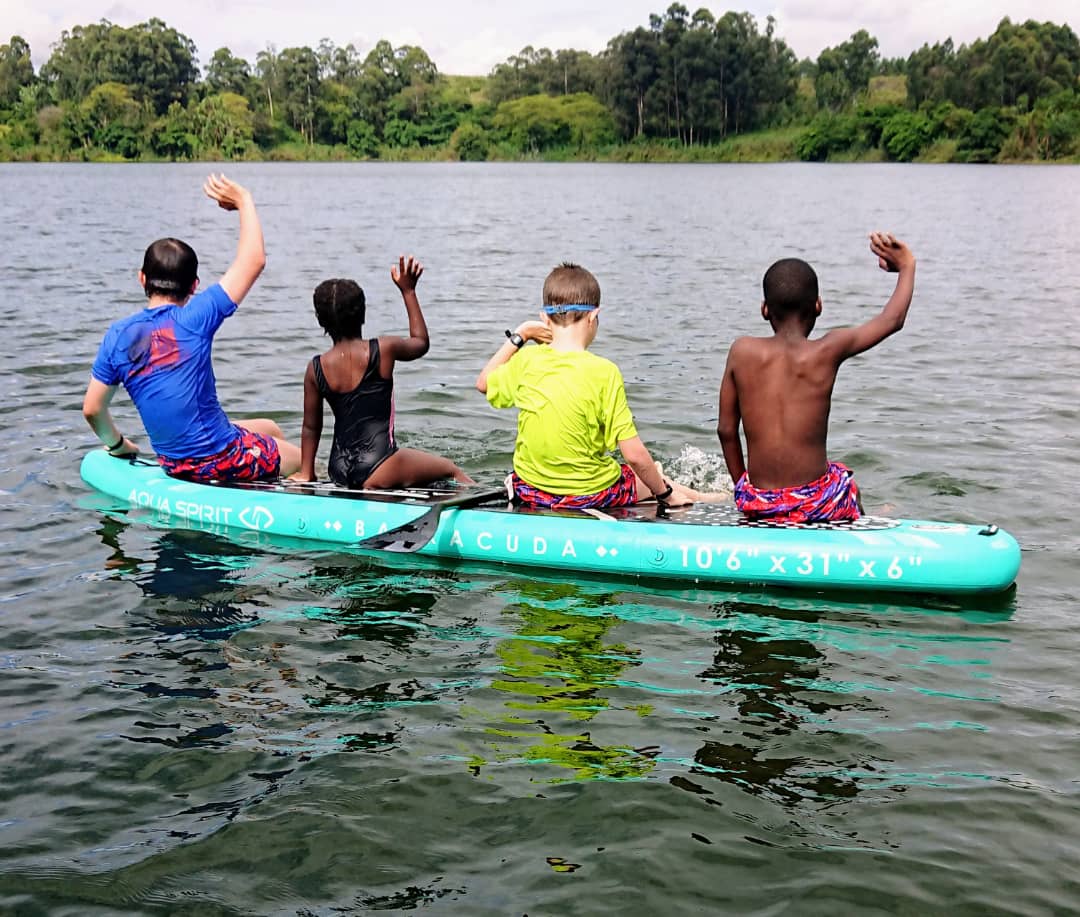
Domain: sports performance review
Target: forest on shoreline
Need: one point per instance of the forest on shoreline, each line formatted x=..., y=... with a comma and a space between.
x=686, y=88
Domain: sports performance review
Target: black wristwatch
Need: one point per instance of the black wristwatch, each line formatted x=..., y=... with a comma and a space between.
x=662, y=497
x=516, y=339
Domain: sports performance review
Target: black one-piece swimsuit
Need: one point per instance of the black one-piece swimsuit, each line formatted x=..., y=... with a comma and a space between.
x=363, y=422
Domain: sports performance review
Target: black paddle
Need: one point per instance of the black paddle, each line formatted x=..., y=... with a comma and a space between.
x=412, y=536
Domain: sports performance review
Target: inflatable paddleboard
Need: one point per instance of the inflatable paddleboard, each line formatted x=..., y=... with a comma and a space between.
x=705, y=543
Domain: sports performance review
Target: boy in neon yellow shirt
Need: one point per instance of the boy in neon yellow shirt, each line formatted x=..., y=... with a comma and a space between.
x=572, y=409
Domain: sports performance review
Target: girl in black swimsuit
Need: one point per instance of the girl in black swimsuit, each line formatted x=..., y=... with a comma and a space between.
x=356, y=378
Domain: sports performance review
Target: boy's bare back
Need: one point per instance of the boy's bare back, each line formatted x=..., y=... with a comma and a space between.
x=780, y=388
x=784, y=389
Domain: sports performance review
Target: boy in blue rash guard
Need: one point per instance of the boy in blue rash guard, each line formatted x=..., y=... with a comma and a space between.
x=162, y=356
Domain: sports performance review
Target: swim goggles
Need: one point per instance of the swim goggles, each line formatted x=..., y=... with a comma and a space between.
x=568, y=307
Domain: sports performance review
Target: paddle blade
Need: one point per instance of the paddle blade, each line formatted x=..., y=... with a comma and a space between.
x=405, y=538
x=412, y=536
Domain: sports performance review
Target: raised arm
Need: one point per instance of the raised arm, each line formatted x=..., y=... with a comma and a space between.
x=894, y=256
x=527, y=331
x=405, y=275
x=250, y=252
x=727, y=427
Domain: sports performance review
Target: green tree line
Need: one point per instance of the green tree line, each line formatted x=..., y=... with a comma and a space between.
x=682, y=86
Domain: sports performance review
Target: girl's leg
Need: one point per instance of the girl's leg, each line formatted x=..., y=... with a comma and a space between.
x=290, y=453
x=410, y=467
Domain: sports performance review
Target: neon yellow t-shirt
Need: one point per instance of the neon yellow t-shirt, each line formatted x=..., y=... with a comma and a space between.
x=572, y=413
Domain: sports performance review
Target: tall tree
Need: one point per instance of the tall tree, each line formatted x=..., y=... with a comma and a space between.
x=931, y=73
x=634, y=59
x=16, y=70
x=844, y=71
x=228, y=73
x=266, y=66
x=1017, y=63
x=155, y=61
x=299, y=75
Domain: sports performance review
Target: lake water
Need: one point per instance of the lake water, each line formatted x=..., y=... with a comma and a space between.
x=189, y=725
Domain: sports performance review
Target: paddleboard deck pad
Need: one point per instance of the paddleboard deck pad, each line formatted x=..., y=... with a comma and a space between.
x=698, y=544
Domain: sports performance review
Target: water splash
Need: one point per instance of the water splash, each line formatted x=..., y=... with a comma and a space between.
x=701, y=470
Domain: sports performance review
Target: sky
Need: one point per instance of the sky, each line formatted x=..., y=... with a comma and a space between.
x=471, y=36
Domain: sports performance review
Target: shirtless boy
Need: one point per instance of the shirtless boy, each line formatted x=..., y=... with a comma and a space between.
x=780, y=389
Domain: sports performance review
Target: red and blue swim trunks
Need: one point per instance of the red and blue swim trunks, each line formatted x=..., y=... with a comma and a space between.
x=833, y=497
x=622, y=493
x=249, y=457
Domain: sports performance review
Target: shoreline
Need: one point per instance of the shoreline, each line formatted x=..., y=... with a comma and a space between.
x=1075, y=161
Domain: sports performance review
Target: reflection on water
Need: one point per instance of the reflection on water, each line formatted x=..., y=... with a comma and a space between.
x=765, y=670
x=554, y=672
x=193, y=584
x=264, y=696
x=544, y=679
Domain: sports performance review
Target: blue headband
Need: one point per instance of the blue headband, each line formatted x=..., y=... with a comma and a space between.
x=570, y=307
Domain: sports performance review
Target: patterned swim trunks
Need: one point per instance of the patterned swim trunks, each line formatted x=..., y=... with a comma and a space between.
x=831, y=498
x=249, y=457
x=622, y=493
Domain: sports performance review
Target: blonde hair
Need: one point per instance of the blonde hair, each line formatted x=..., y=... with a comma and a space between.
x=570, y=285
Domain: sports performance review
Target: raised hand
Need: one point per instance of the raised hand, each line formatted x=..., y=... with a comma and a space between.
x=228, y=194
x=892, y=254
x=406, y=273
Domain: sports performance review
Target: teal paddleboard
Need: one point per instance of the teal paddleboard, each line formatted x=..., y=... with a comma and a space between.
x=705, y=543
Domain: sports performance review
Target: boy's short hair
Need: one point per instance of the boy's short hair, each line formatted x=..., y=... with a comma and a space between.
x=790, y=287
x=340, y=308
x=570, y=285
x=171, y=268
